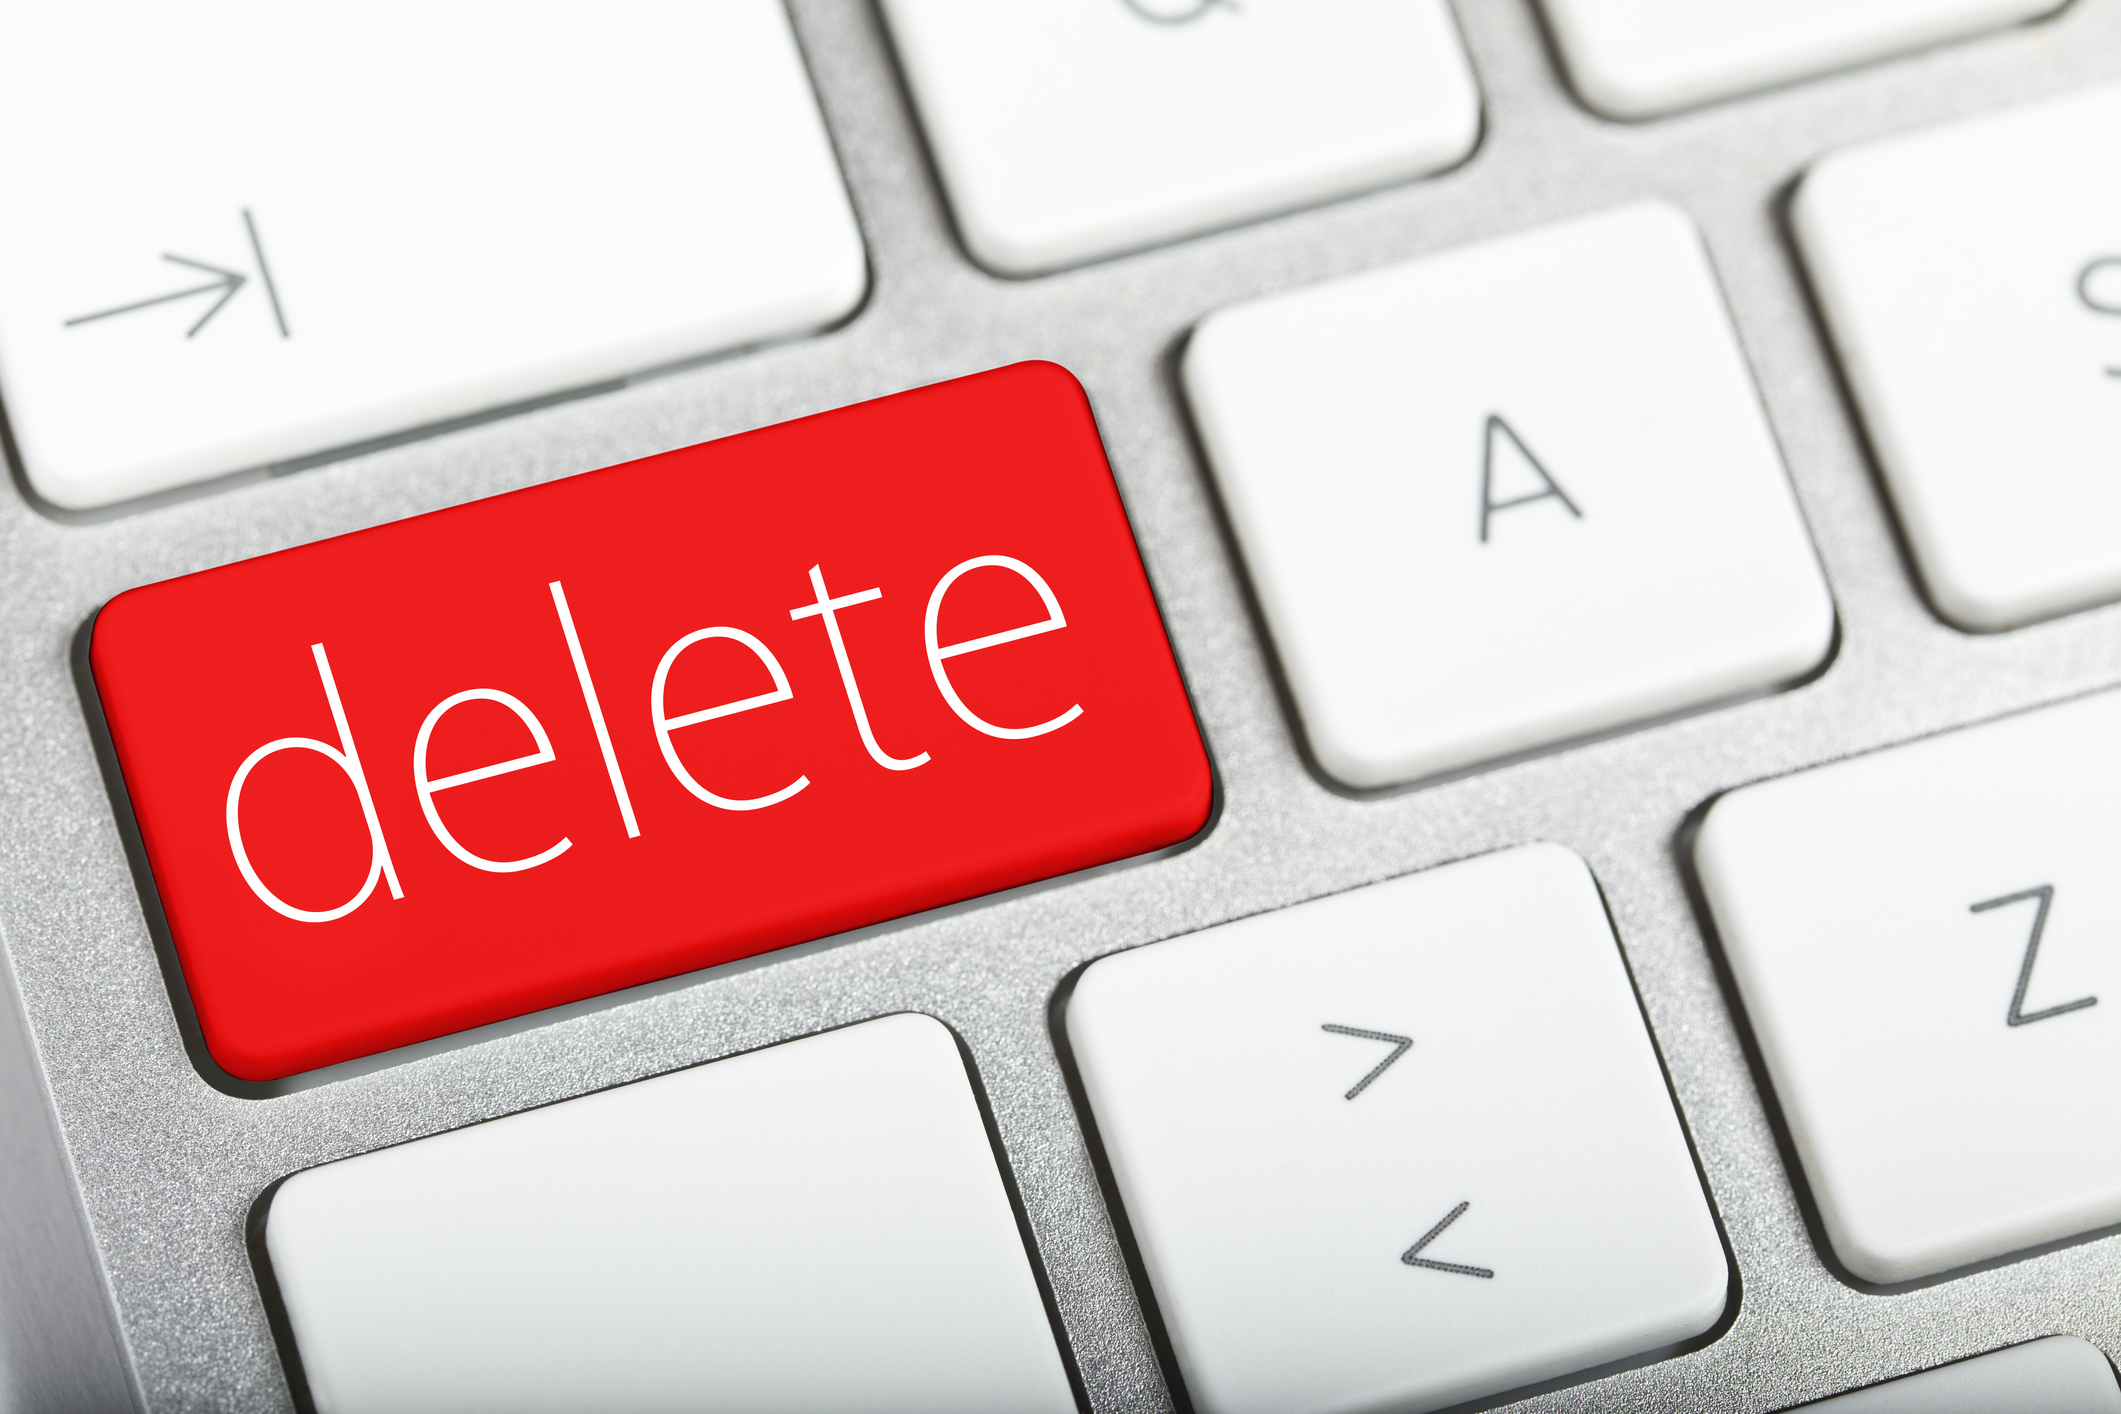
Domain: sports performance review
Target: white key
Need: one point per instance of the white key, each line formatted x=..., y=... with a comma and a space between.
x=1971, y=275
x=1400, y=1147
x=1069, y=130
x=414, y=212
x=2062, y=1374
x=818, y=1225
x=1924, y=939
x=1642, y=58
x=1508, y=495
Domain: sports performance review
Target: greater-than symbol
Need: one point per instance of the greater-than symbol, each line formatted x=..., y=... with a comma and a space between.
x=226, y=282
x=1413, y=1258
x=1399, y=1046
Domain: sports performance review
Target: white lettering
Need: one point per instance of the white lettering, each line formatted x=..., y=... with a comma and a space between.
x=596, y=712
x=347, y=760
x=664, y=726
x=427, y=788
x=938, y=652
x=824, y=608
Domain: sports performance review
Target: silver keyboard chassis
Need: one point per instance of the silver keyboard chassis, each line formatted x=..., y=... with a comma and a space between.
x=124, y=1274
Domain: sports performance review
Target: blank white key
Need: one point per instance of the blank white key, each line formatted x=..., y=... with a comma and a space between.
x=309, y=226
x=2062, y=1374
x=1926, y=943
x=1971, y=275
x=814, y=1226
x=1508, y=495
x=1640, y=58
x=1400, y=1147
x=1068, y=130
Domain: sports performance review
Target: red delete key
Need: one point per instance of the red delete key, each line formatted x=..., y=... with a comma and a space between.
x=645, y=720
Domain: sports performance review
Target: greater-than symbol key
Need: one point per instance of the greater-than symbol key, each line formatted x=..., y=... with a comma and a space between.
x=1413, y=1258
x=1399, y=1046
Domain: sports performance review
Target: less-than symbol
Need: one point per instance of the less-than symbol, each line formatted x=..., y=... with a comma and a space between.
x=2017, y=1015
x=228, y=282
x=1550, y=489
x=1399, y=1048
x=1413, y=1258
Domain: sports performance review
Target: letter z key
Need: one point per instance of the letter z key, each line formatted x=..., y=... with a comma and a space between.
x=646, y=720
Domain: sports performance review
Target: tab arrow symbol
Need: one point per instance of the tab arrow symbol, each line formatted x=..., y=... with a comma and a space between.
x=1413, y=1258
x=228, y=282
x=1399, y=1046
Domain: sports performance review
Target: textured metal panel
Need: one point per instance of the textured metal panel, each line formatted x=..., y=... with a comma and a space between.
x=167, y=1167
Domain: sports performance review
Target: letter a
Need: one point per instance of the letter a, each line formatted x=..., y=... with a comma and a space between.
x=1488, y=504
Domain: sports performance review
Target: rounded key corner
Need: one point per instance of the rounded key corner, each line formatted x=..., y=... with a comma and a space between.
x=1200, y=340
x=1697, y=1317
x=1086, y=982
x=1601, y=92
x=110, y=621
x=1466, y=141
x=95, y=628
x=273, y=1204
x=1603, y=89
x=1382, y=767
x=1717, y=1301
x=1972, y=612
x=1821, y=186
x=1552, y=854
x=250, y=1068
x=1871, y=1263
x=1357, y=771
x=842, y=296
x=1675, y=221
x=1813, y=642
x=837, y=298
x=1566, y=870
x=66, y=495
x=238, y=1067
x=1445, y=156
x=1616, y=103
x=1046, y=370
x=1205, y=347
x=1714, y=820
x=284, y=1212
x=1874, y=1264
x=1815, y=182
x=1609, y=86
x=1616, y=97
x=1007, y=256
x=931, y=1029
x=1969, y=608
x=1379, y=775
x=936, y=1039
x=1703, y=837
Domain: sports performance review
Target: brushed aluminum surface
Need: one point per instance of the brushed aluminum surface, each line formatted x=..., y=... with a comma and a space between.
x=166, y=1167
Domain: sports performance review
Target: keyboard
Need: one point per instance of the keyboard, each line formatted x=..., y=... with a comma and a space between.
x=1242, y=706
